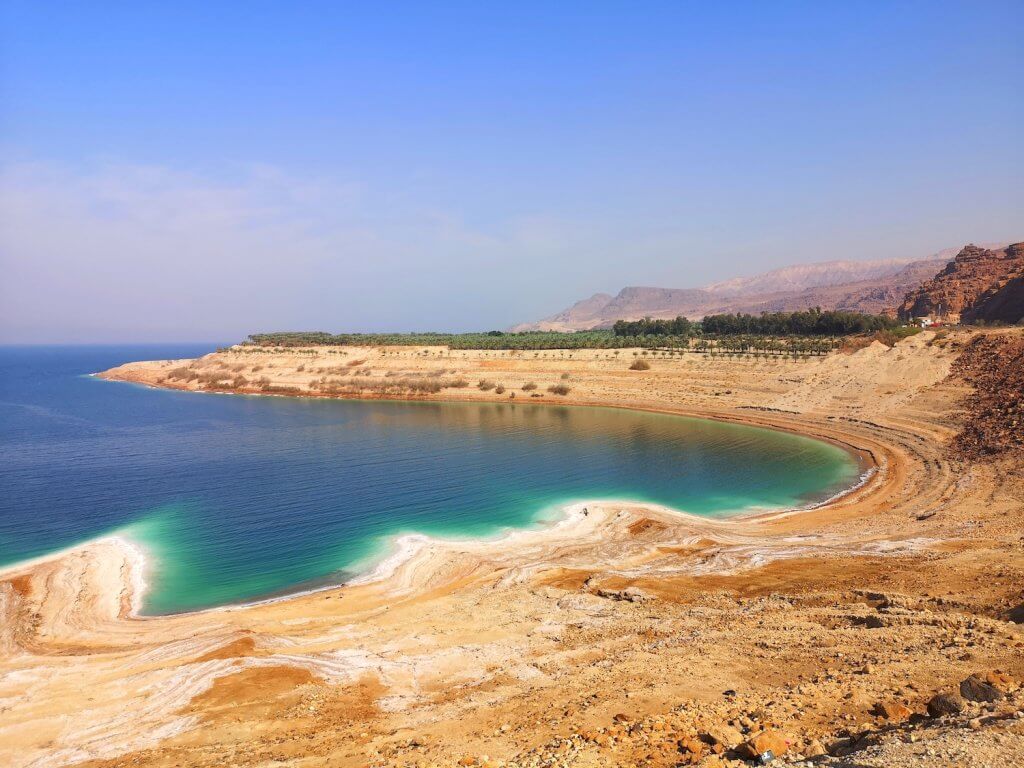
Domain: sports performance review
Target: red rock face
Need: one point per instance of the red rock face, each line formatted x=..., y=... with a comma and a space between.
x=979, y=284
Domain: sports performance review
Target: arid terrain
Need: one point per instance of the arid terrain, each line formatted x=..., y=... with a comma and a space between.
x=882, y=629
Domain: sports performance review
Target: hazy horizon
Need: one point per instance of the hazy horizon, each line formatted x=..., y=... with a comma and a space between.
x=198, y=171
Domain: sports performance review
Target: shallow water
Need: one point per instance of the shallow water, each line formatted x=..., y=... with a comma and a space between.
x=236, y=498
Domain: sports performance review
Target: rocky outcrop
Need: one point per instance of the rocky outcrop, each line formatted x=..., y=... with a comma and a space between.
x=1003, y=302
x=979, y=284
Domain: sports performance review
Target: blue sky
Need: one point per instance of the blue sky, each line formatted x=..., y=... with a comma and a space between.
x=187, y=170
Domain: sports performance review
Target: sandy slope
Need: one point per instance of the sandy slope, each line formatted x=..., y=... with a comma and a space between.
x=524, y=649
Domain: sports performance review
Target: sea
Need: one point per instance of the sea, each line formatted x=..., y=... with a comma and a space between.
x=240, y=498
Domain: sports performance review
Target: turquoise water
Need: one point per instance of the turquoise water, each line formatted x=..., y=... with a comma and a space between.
x=238, y=498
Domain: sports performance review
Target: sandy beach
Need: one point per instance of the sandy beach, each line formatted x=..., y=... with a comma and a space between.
x=606, y=638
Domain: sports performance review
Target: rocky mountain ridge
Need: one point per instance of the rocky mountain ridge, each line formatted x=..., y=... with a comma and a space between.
x=980, y=284
x=858, y=286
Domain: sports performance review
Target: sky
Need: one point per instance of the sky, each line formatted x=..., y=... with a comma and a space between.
x=203, y=170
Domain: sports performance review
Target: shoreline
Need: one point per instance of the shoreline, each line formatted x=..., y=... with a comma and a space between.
x=404, y=548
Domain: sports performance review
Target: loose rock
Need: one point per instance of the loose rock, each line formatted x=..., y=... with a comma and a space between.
x=945, y=704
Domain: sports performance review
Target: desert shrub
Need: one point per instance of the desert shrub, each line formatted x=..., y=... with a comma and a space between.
x=239, y=381
x=424, y=386
x=892, y=336
x=565, y=376
x=458, y=383
x=182, y=374
x=640, y=365
x=212, y=378
x=484, y=385
x=499, y=390
x=529, y=386
x=559, y=389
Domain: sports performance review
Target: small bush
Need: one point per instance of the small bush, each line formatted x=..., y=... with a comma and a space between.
x=565, y=377
x=485, y=386
x=499, y=390
x=212, y=378
x=185, y=374
x=559, y=389
x=640, y=365
x=458, y=383
x=529, y=386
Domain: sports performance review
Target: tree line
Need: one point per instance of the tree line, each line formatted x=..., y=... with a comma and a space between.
x=646, y=333
x=812, y=322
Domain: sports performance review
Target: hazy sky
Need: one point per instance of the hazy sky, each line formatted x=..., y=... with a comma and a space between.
x=196, y=171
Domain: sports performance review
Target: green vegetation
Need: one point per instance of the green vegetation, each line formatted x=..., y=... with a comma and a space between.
x=813, y=322
x=811, y=332
x=492, y=340
x=680, y=326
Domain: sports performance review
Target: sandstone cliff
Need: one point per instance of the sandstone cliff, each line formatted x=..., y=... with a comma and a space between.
x=980, y=284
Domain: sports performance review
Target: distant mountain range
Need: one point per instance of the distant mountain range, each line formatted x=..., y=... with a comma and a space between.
x=860, y=286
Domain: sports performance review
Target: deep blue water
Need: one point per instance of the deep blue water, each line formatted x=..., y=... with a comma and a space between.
x=237, y=498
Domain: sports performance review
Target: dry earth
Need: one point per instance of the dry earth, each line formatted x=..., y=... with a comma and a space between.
x=626, y=636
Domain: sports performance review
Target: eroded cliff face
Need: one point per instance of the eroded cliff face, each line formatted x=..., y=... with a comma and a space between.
x=979, y=284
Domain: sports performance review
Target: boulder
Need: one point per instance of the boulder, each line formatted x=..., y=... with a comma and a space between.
x=945, y=704
x=691, y=749
x=723, y=735
x=976, y=689
x=768, y=740
x=892, y=710
x=1004, y=683
x=815, y=749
